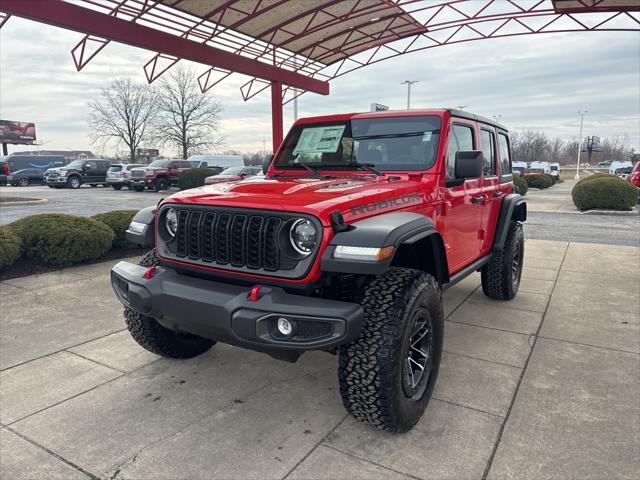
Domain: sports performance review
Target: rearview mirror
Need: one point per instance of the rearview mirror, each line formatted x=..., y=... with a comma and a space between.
x=266, y=162
x=469, y=164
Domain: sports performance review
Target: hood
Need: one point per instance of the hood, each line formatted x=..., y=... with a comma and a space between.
x=355, y=196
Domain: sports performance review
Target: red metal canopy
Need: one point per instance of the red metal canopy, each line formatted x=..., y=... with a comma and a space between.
x=303, y=44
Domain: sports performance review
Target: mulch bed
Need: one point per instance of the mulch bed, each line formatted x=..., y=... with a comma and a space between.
x=24, y=267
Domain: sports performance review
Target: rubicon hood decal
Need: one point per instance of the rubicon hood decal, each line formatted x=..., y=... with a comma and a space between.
x=384, y=204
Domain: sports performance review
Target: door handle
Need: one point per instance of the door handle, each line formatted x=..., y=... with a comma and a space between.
x=479, y=199
x=497, y=194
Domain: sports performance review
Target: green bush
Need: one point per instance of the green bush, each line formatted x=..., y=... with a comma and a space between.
x=538, y=180
x=118, y=221
x=551, y=177
x=193, y=177
x=59, y=239
x=587, y=178
x=606, y=193
x=521, y=183
x=10, y=247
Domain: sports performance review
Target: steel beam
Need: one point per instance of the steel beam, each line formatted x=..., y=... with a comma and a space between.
x=276, y=115
x=66, y=15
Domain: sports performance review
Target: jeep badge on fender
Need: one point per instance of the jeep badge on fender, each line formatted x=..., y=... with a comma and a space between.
x=345, y=245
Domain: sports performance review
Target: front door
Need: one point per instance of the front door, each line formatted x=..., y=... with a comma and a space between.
x=462, y=212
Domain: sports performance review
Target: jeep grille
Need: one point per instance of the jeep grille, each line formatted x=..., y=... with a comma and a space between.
x=241, y=240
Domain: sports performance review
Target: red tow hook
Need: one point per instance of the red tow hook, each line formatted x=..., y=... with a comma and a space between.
x=254, y=296
x=149, y=273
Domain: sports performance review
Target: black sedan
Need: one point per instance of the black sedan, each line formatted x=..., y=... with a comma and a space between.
x=28, y=176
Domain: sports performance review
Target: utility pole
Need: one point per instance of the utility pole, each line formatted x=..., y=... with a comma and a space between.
x=408, y=83
x=582, y=113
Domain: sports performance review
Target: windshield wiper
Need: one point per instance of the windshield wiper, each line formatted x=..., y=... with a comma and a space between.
x=306, y=166
x=371, y=167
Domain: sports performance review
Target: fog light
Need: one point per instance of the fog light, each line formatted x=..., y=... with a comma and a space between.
x=285, y=327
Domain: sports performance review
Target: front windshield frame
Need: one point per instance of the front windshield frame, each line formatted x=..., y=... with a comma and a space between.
x=234, y=171
x=159, y=164
x=76, y=164
x=417, y=135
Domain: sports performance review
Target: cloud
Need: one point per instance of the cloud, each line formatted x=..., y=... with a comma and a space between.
x=535, y=82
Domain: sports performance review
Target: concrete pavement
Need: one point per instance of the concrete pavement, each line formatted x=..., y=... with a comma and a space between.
x=543, y=386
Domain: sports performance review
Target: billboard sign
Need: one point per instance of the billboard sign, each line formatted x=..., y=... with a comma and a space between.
x=23, y=133
x=148, y=152
x=592, y=144
x=377, y=107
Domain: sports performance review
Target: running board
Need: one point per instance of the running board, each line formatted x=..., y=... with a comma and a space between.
x=466, y=271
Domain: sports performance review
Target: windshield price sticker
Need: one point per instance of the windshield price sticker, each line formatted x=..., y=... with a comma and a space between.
x=320, y=139
x=426, y=136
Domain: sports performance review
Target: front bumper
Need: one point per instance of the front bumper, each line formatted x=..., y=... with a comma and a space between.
x=225, y=312
x=56, y=180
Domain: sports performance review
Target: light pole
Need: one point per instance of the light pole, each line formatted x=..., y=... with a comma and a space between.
x=582, y=113
x=409, y=83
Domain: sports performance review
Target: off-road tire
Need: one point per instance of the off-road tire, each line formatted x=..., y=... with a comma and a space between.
x=500, y=276
x=161, y=184
x=160, y=340
x=371, y=368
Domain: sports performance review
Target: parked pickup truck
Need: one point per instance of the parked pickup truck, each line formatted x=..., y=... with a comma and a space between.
x=346, y=245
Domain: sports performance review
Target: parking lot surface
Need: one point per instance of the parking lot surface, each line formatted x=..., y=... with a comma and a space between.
x=544, y=386
x=84, y=201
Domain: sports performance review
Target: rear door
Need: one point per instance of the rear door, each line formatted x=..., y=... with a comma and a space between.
x=461, y=213
x=505, y=186
x=491, y=193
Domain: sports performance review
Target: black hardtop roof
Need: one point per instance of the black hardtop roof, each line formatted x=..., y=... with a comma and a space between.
x=454, y=112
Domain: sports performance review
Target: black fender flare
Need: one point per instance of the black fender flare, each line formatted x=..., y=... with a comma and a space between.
x=411, y=233
x=513, y=207
x=143, y=235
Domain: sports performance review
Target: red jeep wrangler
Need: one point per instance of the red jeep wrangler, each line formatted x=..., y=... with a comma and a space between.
x=345, y=245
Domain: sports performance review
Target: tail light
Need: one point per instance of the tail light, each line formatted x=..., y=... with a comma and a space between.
x=5, y=168
x=123, y=173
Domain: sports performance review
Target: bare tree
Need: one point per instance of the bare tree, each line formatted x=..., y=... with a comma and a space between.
x=124, y=112
x=188, y=119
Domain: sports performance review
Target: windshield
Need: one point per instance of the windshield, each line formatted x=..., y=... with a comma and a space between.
x=232, y=171
x=159, y=164
x=391, y=143
x=76, y=164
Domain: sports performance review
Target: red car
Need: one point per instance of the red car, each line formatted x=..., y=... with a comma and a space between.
x=634, y=178
x=233, y=174
x=345, y=246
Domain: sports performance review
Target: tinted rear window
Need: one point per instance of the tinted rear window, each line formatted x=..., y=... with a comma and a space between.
x=115, y=168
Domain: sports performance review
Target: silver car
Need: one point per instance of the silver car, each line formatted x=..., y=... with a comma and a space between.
x=118, y=175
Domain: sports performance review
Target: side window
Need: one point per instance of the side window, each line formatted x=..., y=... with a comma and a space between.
x=460, y=139
x=488, y=147
x=505, y=157
x=173, y=165
x=91, y=165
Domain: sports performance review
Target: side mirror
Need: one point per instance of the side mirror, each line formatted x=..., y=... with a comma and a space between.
x=469, y=164
x=266, y=162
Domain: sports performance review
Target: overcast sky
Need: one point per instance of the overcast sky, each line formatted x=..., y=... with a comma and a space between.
x=533, y=82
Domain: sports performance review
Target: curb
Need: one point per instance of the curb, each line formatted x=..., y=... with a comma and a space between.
x=31, y=201
x=633, y=212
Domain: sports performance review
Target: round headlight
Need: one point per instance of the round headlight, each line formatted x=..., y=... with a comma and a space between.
x=303, y=236
x=171, y=222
